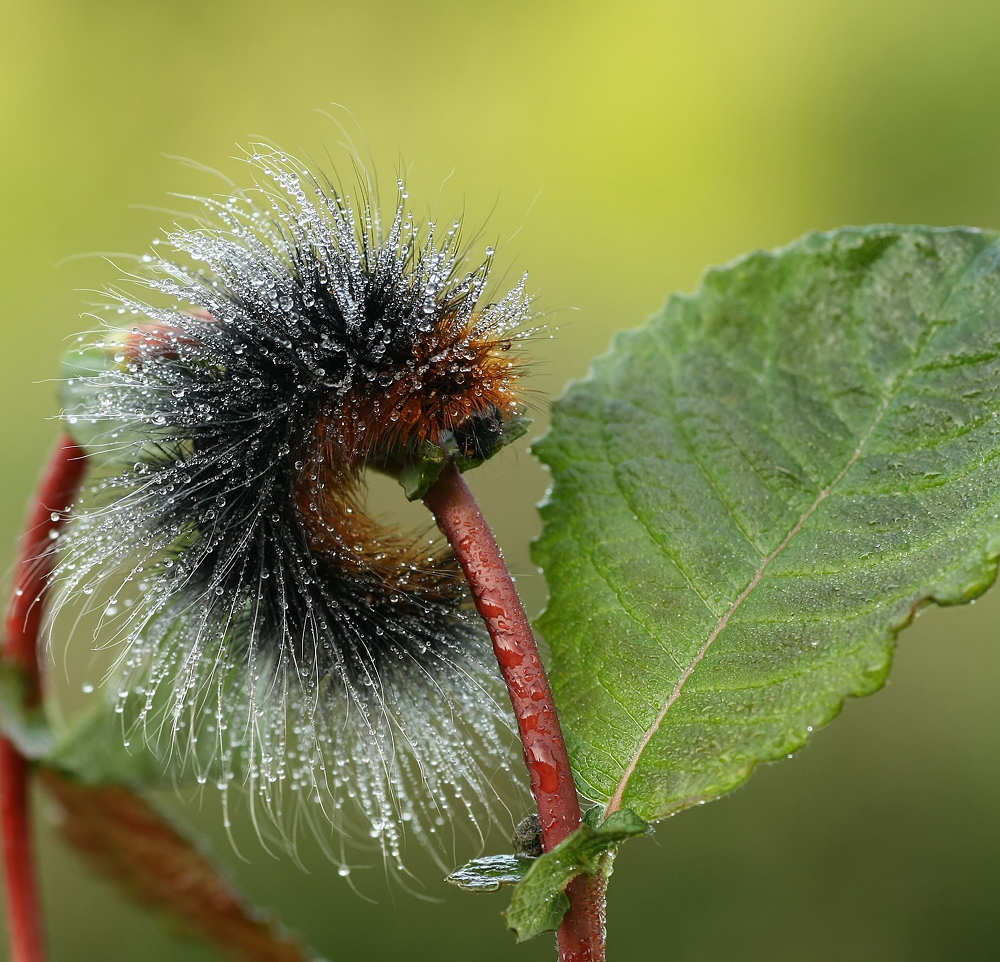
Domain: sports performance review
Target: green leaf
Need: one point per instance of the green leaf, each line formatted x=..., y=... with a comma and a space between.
x=755, y=492
x=418, y=476
x=539, y=902
x=84, y=376
x=92, y=749
x=514, y=428
x=101, y=747
x=25, y=727
x=488, y=873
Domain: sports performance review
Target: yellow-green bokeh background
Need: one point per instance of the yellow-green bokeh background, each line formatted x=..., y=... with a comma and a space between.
x=628, y=144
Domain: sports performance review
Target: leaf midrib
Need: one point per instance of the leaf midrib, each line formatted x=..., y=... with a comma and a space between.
x=615, y=802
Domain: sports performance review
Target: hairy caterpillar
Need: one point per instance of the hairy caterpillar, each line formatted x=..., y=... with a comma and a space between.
x=274, y=633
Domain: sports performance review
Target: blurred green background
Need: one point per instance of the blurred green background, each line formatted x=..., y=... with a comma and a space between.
x=627, y=146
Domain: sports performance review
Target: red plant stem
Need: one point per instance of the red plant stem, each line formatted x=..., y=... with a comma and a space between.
x=24, y=923
x=20, y=648
x=581, y=936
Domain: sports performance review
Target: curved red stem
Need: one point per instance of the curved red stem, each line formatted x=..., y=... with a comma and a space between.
x=20, y=648
x=581, y=936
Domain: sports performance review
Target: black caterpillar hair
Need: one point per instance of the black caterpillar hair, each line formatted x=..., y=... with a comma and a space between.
x=277, y=634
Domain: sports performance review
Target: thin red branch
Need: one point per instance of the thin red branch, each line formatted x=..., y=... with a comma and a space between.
x=20, y=648
x=581, y=936
x=123, y=836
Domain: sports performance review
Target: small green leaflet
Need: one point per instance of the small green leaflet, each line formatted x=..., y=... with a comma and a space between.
x=755, y=492
x=539, y=901
x=418, y=475
x=488, y=873
x=93, y=749
x=25, y=727
x=103, y=747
